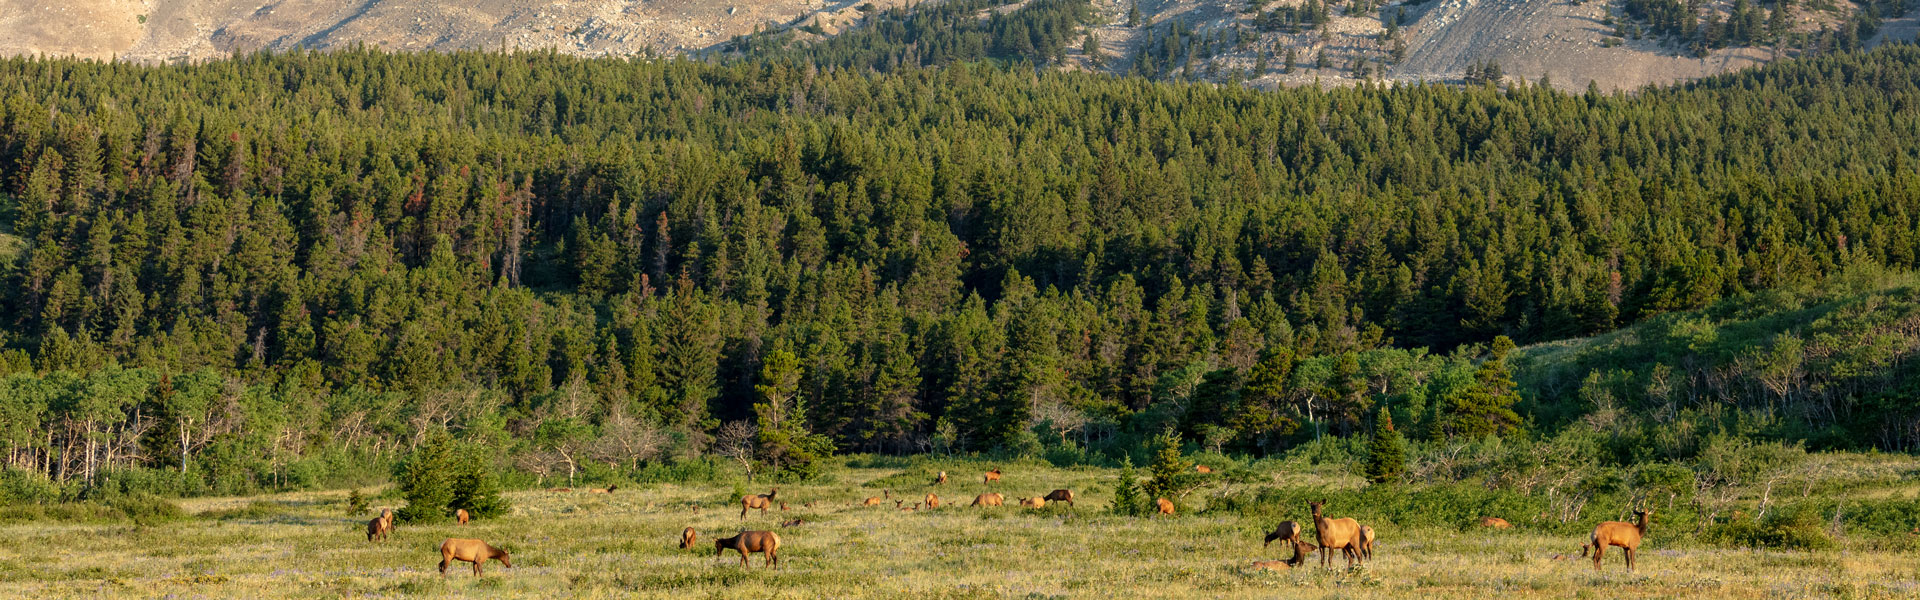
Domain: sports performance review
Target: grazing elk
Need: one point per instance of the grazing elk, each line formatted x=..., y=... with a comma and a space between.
x=687, y=537
x=1614, y=533
x=749, y=542
x=1286, y=531
x=1163, y=506
x=1335, y=534
x=988, y=499
x=942, y=479
x=991, y=476
x=760, y=501
x=1033, y=503
x=1495, y=523
x=461, y=516
x=470, y=550
x=1061, y=496
x=380, y=527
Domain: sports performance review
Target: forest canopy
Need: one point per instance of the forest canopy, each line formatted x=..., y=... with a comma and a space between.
x=277, y=261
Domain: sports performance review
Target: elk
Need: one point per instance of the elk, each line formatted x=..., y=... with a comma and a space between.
x=380, y=527
x=1366, y=542
x=1335, y=534
x=988, y=499
x=1033, y=503
x=1203, y=468
x=783, y=506
x=609, y=490
x=760, y=501
x=1061, y=496
x=991, y=476
x=932, y=501
x=470, y=550
x=749, y=542
x=1272, y=565
x=1287, y=531
x=1614, y=533
x=793, y=523
x=872, y=501
x=1300, y=551
x=897, y=504
x=942, y=479
x=1495, y=523
x=1163, y=506
x=687, y=537
x=461, y=516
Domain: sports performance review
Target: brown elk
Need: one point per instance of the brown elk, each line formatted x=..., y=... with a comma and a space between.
x=872, y=501
x=1614, y=533
x=899, y=504
x=1335, y=534
x=991, y=476
x=1301, y=549
x=760, y=501
x=1272, y=565
x=942, y=479
x=609, y=490
x=1203, y=468
x=380, y=527
x=793, y=523
x=1163, y=506
x=1033, y=503
x=687, y=537
x=470, y=550
x=1061, y=496
x=461, y=516
x=1495, y=523
x=1286, y=531
x=749, y=542
x=1366, y=542
x=988, y=499
x=932, y=501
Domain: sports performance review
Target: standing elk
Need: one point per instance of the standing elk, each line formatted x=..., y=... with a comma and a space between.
x=472, y=551
x=1614, y=533
x=749, y=542
x=942, y=479
x=1495, y=523
x=461, y=516
x=991, y=476
x=760, y=501
x=1335, y=534
x=687, y=537
x=1286, y=531
x=932, y=501
x=1366, y=542
x=988, y=499
x=380, y=527
x=1061, y=495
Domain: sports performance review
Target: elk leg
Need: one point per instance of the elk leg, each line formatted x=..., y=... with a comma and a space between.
x=743, y=560
x=1598, y=551
x=1629, y=551
x=443, y=567
x=476, y=567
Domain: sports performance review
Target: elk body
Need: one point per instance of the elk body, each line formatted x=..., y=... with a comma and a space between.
x=760, y=501
x=609, y=490
x=470, y=550
x=1033, y=503
x=1614, y=533
x=942, y=479
x=1286, y=531
x=461, y=516
x=1203, y=468
x=1335, y=534
x=1163, y=506
x=687, y=537
x=1366, y=542
x=988, y=499
x=872, y=501
x=991, y=476
x=380, y=527
x=1495, y=523
x=749, y=542
x=932, y=501
x=1061, y=496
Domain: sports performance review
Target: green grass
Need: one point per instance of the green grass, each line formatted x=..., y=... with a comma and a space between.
x=622, y=545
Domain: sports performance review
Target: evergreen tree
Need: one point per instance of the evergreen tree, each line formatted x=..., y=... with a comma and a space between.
x=426, y=480
x=1387, y=453
x=475, y=486
x=1126, y=491
x=1485, y=407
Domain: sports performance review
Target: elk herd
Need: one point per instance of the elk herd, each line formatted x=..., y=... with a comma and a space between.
x=1355, y=541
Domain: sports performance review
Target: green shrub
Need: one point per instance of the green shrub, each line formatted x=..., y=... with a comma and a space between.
x=1795, y=527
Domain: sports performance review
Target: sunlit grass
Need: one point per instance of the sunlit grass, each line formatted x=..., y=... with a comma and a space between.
x=624, y=545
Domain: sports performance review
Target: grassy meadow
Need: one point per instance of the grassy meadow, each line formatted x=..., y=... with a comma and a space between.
x=621, y=545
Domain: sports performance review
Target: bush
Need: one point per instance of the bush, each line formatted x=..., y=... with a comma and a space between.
x=442, y=476
x=1797, y=527
x=1126, y=492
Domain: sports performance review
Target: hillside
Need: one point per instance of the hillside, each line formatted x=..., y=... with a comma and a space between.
x=1436, y=40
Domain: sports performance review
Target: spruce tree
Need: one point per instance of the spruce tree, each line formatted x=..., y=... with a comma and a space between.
x=1485, y=407
x=426, y=480
x=1126, y=491
x=1387, y=454
x=475, y=487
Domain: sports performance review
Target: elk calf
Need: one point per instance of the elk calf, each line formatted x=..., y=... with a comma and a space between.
x=1495, y=523
x=1286, y=531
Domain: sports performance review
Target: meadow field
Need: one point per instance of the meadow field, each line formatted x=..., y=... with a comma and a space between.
x=624, y=545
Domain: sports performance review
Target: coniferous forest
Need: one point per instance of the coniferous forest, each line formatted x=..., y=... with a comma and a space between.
x=287, y=270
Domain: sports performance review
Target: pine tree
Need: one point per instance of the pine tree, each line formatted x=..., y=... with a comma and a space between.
x=1387, y=454
x=1293, y=58
x=1171, y=474
x=1126, y=491
x=475, y=487
x=1485, y=407
x=426, y=480
x=1133, y=15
